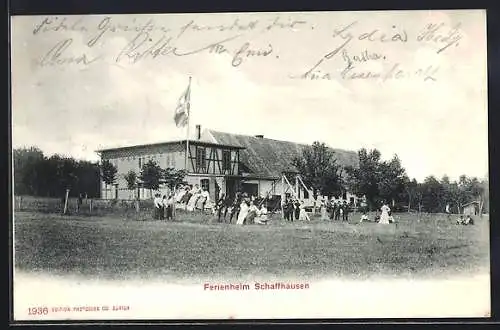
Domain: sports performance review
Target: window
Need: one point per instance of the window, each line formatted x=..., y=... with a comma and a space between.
x=226, y=161
x=201, y=158
x=205, y=184
x=306, y=194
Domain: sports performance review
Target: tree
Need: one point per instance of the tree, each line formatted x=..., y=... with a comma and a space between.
x=151, y=176
x=432, y=194
x=25, y=164
x=131, y=178
x=319, y=169
x=172, y=177
x=108, y=173
x=392, y=179
x=364, y=180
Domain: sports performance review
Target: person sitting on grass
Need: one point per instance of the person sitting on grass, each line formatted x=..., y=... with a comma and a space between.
x=460, y=221
x=391, y=218
x=364, y=217
x=468, y=220
x=252, y=214
x=262, y=218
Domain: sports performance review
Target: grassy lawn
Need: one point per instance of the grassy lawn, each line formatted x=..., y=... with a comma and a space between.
x=195, y=247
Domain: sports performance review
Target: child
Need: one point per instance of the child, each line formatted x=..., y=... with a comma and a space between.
x=364, y=217
x=262, y=219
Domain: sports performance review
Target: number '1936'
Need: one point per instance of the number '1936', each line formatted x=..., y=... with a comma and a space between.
x=38, y=311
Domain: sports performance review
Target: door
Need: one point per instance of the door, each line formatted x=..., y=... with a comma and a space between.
x=252, y=189
x=230, y=187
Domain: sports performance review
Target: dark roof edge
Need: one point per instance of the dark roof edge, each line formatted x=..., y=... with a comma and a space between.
x=194, y=142
x=282, y=141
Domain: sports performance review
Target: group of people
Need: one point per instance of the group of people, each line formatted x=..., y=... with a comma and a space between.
x=335, y=210
x=163, y=206
x=243, y=208
x=384, y=217
x=467, y=220
x=193, y=197
x=294, y=209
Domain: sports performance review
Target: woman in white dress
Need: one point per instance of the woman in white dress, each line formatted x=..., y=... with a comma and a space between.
x=384, y=217
x=324, y=212
x=244, y=208
x=202, y=200
x=195, y=194
x=302, y=212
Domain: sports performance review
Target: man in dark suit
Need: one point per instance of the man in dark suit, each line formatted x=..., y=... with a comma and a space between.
x=345, y=211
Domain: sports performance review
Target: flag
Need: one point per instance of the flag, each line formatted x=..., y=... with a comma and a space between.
x=182, y=111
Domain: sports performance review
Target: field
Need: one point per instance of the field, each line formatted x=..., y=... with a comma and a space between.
x=131, y=245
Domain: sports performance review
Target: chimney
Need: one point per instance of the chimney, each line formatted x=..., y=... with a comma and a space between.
x=198, y=132
x=259, y=136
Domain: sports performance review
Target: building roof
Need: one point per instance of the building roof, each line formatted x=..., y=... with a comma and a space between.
x=270, y=158
x=167, y=143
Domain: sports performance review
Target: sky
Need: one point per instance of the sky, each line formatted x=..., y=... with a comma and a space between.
x=435, y=122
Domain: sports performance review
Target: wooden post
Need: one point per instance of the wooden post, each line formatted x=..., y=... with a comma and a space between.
x=90, y=206
x=20, y=199
x=174, y=204
x=282, y=194
x=66, y=201
x=297, y=186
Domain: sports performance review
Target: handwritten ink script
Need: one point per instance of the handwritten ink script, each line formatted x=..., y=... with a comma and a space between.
x=354, y=50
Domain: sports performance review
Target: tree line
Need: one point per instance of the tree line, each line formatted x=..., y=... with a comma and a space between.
x=377, y=180
x=38, y=175
x=151, y=177
x=387, y=181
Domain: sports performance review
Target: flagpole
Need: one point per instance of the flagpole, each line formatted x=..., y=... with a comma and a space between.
x=187, y=129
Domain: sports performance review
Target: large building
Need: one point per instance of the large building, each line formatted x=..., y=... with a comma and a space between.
x=218, y=162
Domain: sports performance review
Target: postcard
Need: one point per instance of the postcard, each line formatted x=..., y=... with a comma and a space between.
x=270, y=165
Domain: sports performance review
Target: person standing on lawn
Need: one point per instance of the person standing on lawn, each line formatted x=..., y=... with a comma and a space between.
x=337, y=211
x=235, y=209
x=169, y=207
x=221, y=207
x=163, y=205
x=157, y=206
x=297, y=209
x=384, y=217
x=345, y=211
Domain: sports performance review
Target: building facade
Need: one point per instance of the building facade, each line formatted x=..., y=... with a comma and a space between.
x=219, y=162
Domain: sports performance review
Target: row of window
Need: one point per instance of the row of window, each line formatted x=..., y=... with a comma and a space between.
x=201, y=159
x=169, y=160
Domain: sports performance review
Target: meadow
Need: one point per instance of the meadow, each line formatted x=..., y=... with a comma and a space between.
x=127, y=244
